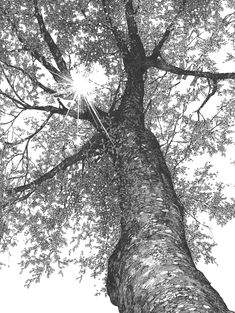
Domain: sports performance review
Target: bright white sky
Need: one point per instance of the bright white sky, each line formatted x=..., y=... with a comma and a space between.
x=65, y=294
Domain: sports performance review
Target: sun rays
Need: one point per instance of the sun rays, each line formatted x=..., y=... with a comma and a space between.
x=80, y=90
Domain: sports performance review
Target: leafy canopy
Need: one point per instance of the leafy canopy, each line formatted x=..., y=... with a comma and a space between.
x=58, y=185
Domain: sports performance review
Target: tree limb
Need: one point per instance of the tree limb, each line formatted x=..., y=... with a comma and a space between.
x=57, y=55
x=19, y=104
x=136, y=45
x=41, y=59
x=96, y=116
x=158, y=47
x=118, y=35
x=165, y=66
x=32, y=78
x=89, y=148
x=34, y=53
x=32, y=135
x=212, y=91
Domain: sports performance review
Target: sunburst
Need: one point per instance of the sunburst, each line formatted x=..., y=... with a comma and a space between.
x=80, y=90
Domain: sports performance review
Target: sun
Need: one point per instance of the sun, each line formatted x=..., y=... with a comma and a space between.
x=80, y=90
x=78, y=86
x=81, y=85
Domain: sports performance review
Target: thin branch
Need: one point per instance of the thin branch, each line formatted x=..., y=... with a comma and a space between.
x=11, y=85
x=174, y=132
x=116, y=97
x=34, y=53
x=19, y=104
x=98, y=119
x=136, y=45
x=61, y=111
x=157, y=50
x=119, y=36
x=89, y=148
x=57, y=55
x=212, y=91
x=165, y=66
x=41, y=59
x=12, y=121
x=149, y=105
x=32, y=78
x=28, y=138
x=186, y=150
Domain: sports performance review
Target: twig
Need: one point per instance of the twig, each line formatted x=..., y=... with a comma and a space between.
x=28, y=138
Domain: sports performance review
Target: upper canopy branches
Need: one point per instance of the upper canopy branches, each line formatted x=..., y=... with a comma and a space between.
x=139, y=28
x=134, y=39
x=43, y=44
x=161, y=64
x=54, y=49
x=128, y=40
x=42, y=38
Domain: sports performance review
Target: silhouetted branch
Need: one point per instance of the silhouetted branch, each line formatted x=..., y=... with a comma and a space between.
x=159, y=45
x=119, y=36
x=57, y=55
x=32, y=78
x=136, y=45
x=165, y=66
x=91, y=147
x=34, y=53
x=28, y=138
x=19, y=104
x=212, y=91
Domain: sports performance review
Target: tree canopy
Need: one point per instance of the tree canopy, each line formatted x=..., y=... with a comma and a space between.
x=58, y=185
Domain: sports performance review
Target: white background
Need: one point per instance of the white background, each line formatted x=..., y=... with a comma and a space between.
x=65, y=294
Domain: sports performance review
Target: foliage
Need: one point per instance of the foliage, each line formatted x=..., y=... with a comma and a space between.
x=39, y=128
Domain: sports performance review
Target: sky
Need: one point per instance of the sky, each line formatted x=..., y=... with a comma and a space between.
x=65, y=294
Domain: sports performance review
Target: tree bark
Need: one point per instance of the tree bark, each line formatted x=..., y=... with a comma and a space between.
x=151, y=268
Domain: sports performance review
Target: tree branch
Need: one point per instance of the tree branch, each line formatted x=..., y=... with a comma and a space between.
x=158, y=47
x=89, y=148
x=34, y=53
x=19, y=104
x=157, y=50
x=32, y=135
x=32, y=78
x=164, y=66
x=50, y=108
x=57, y=55
x=96, y=116
x=136, y=46
x=118, y=35
x=212, y=91
x=41, y=59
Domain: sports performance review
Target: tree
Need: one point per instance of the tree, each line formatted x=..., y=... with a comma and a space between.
x=125, y=184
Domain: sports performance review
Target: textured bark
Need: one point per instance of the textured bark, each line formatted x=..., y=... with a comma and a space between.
x=151, y=268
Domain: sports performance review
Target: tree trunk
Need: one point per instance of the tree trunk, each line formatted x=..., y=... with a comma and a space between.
x=151, y=268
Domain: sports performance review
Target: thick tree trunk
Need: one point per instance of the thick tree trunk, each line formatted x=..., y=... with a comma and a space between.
x=151, y=268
